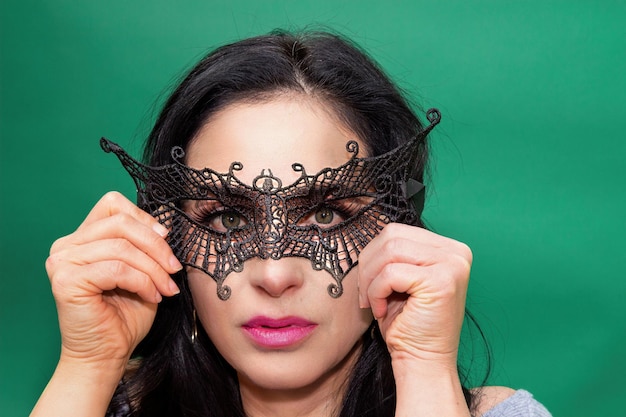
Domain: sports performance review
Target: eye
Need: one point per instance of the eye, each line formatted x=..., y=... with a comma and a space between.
x=225, y=220
x=230, y=219
x=217, y=217
x=324, y=215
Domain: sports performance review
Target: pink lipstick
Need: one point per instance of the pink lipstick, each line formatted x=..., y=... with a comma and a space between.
x=272, y=333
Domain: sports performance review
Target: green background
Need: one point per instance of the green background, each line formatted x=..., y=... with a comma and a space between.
x=528, y=169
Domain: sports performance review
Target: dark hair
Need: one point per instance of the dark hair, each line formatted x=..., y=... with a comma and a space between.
x=175, y=377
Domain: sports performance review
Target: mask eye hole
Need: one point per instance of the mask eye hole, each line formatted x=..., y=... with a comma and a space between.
x=224, y=220
x=332, y=212
x=323, y=216
x=215, y=216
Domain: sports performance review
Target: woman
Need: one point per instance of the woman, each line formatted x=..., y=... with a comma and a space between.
x=293, y=276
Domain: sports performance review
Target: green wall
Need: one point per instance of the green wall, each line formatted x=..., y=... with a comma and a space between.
x=529, y=160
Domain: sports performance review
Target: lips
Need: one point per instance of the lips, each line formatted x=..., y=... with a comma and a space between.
x=279, y=333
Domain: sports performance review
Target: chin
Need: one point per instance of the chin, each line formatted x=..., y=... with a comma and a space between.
x=281, y=380
x=300, y=373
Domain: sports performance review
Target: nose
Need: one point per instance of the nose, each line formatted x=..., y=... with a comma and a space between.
x=277, y=277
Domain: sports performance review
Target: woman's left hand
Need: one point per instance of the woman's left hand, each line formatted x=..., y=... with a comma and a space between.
x=415, y=282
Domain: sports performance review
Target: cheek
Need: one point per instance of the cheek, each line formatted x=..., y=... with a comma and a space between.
x=205, y=299
x=353, y=317
x=201, y=285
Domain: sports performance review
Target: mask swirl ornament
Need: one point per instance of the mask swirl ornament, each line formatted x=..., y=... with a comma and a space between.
x=268, y=220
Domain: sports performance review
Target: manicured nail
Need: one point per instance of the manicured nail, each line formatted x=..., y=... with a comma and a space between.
x=174, y=288
x=160, y=229
x=361, y=301
x=175, y=263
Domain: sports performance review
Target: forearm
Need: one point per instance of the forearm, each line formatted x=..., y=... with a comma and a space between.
x=424, y=389
x=78, y=390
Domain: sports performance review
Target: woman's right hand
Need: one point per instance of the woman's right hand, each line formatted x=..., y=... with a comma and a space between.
x=107, y=279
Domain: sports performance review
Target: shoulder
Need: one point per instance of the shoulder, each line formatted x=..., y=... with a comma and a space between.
x=507, y=402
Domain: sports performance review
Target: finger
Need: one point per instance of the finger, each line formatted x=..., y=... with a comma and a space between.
x=113, y=203
x=121, y=250
x=399, y=243
x=390, y=251
x=417, y=235
x=394, y=278
x=433, y=286
x=75, y=282
x=124, y=226
x=399, y=249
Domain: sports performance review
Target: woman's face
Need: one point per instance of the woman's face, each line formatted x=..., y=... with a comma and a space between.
x=280, y=329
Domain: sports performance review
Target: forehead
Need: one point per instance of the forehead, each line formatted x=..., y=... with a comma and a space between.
x=272, y=135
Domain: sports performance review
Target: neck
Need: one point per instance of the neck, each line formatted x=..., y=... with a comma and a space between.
x=321, y=398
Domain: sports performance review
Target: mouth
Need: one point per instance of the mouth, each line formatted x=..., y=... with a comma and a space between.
x=272, y=333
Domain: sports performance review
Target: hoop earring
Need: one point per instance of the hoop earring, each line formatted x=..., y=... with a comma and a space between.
x=194, y=328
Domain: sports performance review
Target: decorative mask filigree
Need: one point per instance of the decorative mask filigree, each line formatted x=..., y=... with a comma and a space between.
x=217, y=222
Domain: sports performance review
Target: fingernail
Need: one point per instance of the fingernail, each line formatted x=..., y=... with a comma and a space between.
x=174, y=288
x=158, y=298
x=175, y=263
x=160, y=229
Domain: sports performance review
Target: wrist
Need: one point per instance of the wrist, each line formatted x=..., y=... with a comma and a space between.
x=426, y=388
x=79, y=388
x=91, y=370
x=424, y=361
x=102, y=374
x=102, y=364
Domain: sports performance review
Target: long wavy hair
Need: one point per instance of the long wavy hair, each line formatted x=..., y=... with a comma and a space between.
x=171, y=376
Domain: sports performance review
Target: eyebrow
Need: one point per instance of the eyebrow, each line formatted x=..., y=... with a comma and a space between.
x=359, y=199
x=225, y=195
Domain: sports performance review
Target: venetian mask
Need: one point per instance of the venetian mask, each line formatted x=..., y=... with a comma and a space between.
x=217, y=222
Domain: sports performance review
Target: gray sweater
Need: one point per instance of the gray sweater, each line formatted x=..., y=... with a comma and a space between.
x=520, y=404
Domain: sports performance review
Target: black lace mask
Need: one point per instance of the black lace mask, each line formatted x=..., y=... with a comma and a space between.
x=217, y=222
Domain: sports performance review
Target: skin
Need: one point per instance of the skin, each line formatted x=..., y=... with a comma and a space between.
x=109, y=275
x=289, y=130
